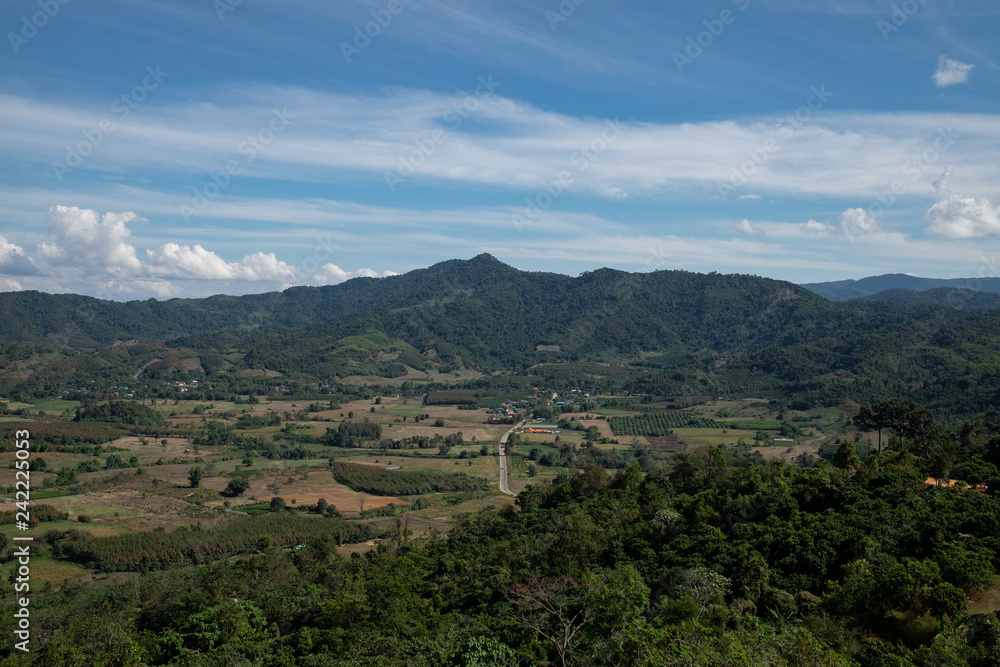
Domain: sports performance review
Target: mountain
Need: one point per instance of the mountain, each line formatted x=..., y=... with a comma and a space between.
x=481, y=305
x=496, y=317
x=663, y=333
x=841, y=290
x=939, y=296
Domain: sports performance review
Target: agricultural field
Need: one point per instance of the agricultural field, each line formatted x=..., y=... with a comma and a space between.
x=149, y=487
x=412, y=375
x=51, y=405
x=713, y=436
x=657, y=423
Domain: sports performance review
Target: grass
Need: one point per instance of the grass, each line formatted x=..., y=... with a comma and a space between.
x=54, y=405
x=446, y=512
x=102, y=529
x=714, y=436
x=41, y=495
x=45, y=569
x=485, y=466
x=397, y=409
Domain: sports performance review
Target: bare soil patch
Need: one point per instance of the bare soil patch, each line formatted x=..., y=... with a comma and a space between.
x=988, y=601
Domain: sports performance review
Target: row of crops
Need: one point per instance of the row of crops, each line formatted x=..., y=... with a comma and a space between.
x=659, y=423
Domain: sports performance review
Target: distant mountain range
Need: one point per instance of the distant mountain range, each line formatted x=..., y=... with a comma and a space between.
x=841, y=290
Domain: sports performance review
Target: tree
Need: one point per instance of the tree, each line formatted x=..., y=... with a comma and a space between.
x=946, y=600
x=554, y=607
x=277, y=504
x=911, y=420
x=487, y=651
x=237, y=486
x=846, y=456
x=194, y=476
x=590, y=481
x=872, y=417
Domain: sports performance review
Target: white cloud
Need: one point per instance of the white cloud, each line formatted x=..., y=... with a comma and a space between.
x=815, y=227
x=264, y=266
x=183, y=261
x=832, y=154
x=749, y=197
x=92, y=243
x=14, y=261
x=133, y=288
x=853, y=222
x=958, y=217
x=10, y=285
x=950, y=72
x=331, y=274
x=747, y=228
x=91, y=254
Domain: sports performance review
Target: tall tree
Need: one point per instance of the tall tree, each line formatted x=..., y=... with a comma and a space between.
x=194, y=476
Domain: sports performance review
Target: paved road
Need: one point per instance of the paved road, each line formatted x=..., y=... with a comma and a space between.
x=503, y=462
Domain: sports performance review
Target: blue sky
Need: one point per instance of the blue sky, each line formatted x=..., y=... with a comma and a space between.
x=227, y=146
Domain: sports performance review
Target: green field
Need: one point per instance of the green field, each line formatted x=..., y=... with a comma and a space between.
x=713, y=436
x=397, y=409
x=10, y=530
x=54, y=404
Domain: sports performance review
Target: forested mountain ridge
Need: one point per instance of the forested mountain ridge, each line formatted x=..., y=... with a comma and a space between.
x=841, y=290
x=953, y=297
x=499, y=320
x=610, y=309
x=671, y=333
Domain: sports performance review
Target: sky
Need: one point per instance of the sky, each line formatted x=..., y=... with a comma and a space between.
x=187, y=148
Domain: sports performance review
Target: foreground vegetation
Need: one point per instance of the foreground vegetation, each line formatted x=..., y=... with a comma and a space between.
x=710, y=565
